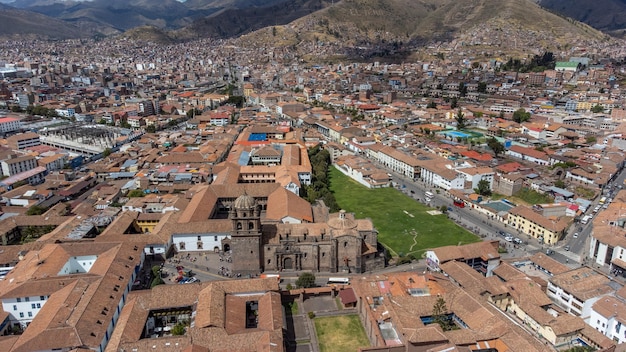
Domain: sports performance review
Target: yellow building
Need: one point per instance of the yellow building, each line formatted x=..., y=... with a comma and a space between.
x=536, y=225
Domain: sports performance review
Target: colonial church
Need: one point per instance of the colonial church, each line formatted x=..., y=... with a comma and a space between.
x=267, y=228
x=339, y=243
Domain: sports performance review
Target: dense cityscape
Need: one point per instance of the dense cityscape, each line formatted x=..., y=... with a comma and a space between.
x=226, y=195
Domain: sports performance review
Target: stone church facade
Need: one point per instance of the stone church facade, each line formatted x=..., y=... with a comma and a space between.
x=336, y=243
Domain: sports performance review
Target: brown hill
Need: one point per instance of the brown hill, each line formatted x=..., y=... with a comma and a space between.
x=20, y=23
x=366, y=28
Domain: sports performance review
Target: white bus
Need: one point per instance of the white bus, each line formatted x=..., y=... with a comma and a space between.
x=429, y=194
x=338, y=281
x=585, y=219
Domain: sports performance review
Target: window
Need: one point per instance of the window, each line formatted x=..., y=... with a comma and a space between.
x=30, y=314
x=14, y=307
x=215, y=238
x=43, y=298
x=38, y=305
x=199, y=238
x=27, y=299
x=19, y=299
x=181, y=245
x=32, y=305
x=21, y=314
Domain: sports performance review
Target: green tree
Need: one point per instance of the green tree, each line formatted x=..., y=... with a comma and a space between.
x=462, y=89
x=461, y=123
x=597, y=109
x=236, y=100
x=305, y=280
x=591, y=139
x=150, y=129
x=483, y=188
x=431, y=105
x=106, y=152
x=521, y=115
x=440, y=315
x=36, y=210
x=156, y=281
x=454, y=103
x=178, y=329
x=135, y=193
x=559, y=184
x=495, y=146
x=482, y=87
x=193, y=112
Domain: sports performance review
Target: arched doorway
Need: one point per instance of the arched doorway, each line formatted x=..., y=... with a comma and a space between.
x=288, y=264
x=226, y=247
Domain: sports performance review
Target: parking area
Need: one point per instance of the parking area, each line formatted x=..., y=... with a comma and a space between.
x=322, y=303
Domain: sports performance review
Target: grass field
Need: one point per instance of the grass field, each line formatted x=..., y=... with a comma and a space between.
x=403, y=224
x=340, y=333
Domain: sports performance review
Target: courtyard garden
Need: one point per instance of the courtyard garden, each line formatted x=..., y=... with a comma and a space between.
x=340, y=333
x=404, y=225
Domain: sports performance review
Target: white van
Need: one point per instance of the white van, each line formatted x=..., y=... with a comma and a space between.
x=585, y=219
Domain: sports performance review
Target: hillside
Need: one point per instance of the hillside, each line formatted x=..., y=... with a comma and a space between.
x=16, y=23
x=232, y=22
x=606, y=15
x=370, y=28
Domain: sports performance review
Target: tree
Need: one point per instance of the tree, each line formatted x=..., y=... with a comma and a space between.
x=483, y=188
x=482, y=87
x=193, y=112
x=178, y=329
x=461, y=123
x=591, y=139
x=597, y=109
x=462, y=89
x=36, y=210
x=305, y=280
x=454, y=103
x=520, y=115
x=106, y=152
x=150, y=129
x=135, y=193
x=431, y=105
x=559, y=184
x=495, y=146
x=440, y=315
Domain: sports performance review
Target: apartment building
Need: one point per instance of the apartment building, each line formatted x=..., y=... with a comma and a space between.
x=577, y=290
x=23, y=140
x=531, y=223
x=18, y=164
x=9, y=124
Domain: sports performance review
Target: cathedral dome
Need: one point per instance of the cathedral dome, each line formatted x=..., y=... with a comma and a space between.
x=244, y=201
x=341, y=222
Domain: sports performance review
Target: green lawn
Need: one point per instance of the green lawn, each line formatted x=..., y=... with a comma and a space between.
x=533, y=197
x=340, y=333
x=397, y=230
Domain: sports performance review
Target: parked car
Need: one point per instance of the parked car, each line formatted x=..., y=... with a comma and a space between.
x=517, y=240
x=575, y=234
x=567, y=247
x=509, y=238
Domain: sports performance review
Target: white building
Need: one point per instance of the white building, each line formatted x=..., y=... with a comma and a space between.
x=608, y=316
x=577, y=290
x=9, y=124
x=473, y=175
x=438, y=175
x=18, y=164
